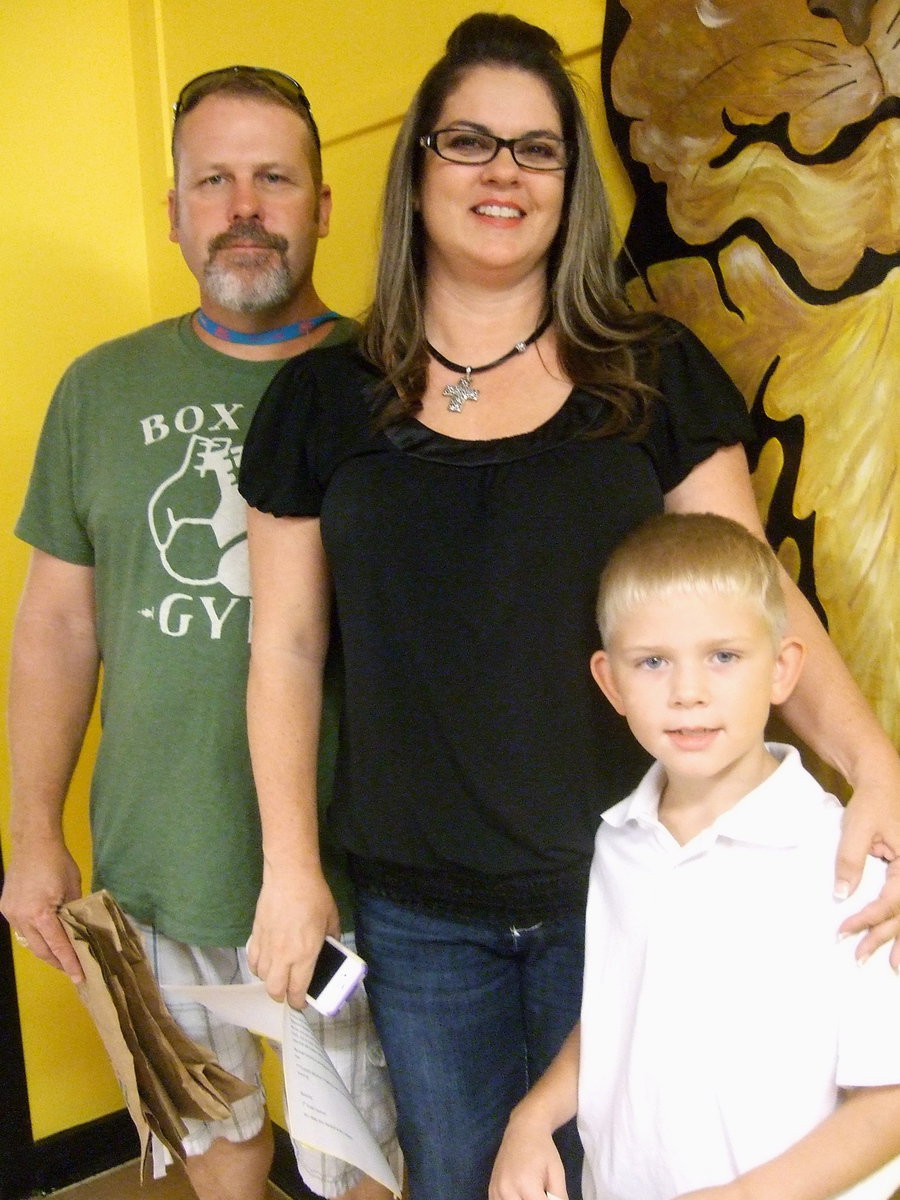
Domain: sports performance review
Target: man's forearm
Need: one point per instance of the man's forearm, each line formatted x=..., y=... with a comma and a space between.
x=53, y=682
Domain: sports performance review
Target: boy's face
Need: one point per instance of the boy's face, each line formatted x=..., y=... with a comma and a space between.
x=695, y=676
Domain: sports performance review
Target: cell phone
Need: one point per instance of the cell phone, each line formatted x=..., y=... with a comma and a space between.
x=335, y=976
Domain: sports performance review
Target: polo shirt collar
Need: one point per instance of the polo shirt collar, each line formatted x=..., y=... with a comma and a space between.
x=762, y=817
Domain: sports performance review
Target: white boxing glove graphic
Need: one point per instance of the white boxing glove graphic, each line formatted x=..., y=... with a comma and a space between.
x=197, y=518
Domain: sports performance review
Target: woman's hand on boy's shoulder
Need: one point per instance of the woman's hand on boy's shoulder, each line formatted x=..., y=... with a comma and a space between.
x=872, y=827
x=879, y=920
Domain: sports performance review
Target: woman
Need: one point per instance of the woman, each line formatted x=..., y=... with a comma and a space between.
x=461, y=480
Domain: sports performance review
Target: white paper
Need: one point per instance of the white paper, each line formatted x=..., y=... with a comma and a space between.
x=246, y=1004
x=320, y=1112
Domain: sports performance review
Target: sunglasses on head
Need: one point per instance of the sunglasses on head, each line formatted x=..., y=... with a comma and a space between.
x=210, y=81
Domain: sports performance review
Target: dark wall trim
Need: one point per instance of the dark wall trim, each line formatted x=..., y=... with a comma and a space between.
x=85, y=1150
x=78, y=1153
x=15, y=1116
x=284, y=1173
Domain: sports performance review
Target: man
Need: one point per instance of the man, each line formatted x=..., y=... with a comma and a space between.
x=139, y=562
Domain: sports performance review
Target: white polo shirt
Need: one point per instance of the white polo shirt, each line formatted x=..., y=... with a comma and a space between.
x=721, y=1013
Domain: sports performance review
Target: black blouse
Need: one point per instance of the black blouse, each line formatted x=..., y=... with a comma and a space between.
x=476, y=752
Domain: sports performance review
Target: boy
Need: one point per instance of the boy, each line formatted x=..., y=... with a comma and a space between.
x=722, y=1018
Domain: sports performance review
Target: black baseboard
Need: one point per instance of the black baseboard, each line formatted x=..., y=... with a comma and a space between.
x=83, y=1151
x=284, y=1173
x=15, y=1116
x=87, y=1150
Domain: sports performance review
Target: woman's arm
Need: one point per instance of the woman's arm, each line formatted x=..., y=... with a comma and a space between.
x=827, y=710
x=291, y=595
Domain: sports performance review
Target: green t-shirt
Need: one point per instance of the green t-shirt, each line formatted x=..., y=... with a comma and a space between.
x=136, y=476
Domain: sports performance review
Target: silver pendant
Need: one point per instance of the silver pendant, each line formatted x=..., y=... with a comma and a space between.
x=460, y=392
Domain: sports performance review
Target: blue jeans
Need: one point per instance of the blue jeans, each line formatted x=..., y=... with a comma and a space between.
x=470, y=1014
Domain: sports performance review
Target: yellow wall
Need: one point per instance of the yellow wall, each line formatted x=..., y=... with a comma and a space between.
x=74, y=272
x=84, y=91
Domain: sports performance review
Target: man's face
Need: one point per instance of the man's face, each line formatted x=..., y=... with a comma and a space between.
x=246, y=209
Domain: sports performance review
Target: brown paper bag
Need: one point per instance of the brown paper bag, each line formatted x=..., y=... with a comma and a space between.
x=164, y=1075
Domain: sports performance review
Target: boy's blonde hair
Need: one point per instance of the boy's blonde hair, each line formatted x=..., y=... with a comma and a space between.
x=700, y=553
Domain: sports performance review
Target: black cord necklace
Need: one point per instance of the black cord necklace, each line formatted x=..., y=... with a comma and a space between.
x=462, y=390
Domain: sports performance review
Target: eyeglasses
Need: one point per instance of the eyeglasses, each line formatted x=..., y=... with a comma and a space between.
x=534, y=152
x=211, y=81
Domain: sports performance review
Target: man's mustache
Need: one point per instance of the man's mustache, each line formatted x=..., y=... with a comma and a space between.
x=248, y=232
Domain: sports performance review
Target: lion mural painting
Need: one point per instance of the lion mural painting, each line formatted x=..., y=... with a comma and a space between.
x=763, y=141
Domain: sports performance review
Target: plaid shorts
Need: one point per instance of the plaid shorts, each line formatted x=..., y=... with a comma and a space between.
x=352, y=1044
x=349, y=1039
